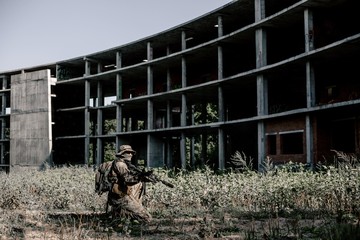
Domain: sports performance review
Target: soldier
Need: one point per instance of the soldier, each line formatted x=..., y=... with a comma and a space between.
x=126, y=194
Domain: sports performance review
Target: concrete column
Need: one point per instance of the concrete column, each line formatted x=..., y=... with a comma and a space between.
x=118, y=60
x=310, y=86
x=309, y=131
x=183, y=72
x=150, y=87
x=99, y=68
x=168, y=102
x=192, y=139
x=220, y=26
x=221, y=135
x=221, y=143
x=183, y=84
x=183, y=40
x=150, y=115
x=262, y=110
x=309, y=30
x=169, y=149
x=262, y=98
x=87, y=67
x=86, y=112
x=183, y=103
x=3, y=122
x=87, y=122
x=3, y=96
x=99, y=142
x=119, y=90
x=150, y=106
x=148, y=152
x=119, y=125
x=259, y=10
x=204, y=136
x=221, y=106
x=261, y=140
x=183, y=110
x=168, y=80
x=119, y=96
x=310, y=89
x=183, y=150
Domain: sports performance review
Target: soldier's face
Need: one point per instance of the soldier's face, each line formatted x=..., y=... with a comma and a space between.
x=127, y=156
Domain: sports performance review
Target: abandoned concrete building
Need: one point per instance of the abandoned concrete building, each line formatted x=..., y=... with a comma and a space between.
x=279, y=76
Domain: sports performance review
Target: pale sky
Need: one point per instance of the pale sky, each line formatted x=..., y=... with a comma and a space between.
x=37, y=32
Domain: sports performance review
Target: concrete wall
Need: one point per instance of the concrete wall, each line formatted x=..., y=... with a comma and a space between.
x=30, y=120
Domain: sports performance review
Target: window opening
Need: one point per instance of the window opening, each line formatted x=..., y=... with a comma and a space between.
x=292, y=143
x=271, y=144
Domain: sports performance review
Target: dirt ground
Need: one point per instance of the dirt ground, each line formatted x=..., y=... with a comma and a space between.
x=36, y=225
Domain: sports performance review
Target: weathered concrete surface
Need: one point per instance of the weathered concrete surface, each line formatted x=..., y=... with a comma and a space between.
x=30, y=120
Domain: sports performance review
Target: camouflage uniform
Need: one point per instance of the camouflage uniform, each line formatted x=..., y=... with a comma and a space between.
x=125, y=196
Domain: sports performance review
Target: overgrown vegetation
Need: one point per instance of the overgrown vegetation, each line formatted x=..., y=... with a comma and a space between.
x=289, y=202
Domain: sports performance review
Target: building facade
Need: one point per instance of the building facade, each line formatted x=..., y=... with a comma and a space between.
x=269, y=78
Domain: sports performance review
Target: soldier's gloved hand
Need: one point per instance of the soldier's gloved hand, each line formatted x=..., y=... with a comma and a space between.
x=148, y=177
x=148, y=173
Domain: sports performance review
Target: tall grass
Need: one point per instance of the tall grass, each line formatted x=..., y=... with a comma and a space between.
x=332, y=195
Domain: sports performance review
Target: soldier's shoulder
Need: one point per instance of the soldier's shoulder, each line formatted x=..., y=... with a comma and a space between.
x=120, y=164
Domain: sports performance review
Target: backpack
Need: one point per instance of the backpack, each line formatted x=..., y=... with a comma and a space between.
x=103, y=178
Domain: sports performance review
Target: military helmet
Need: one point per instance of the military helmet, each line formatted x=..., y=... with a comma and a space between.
x=123, y=149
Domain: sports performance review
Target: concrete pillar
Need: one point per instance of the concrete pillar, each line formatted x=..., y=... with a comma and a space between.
x=259, y=10
x=168, y=102
x=221, y=106
x=119, y=125
x=150, y=88
x=262, y=98
x=309, y=30
x=150, y=108
x=3, y=121
x=183, y=150
x=309, y=131
x=310, y=86
x=119, y=96
x=220, y=26
x=87, y=122
x=169, y=149
x=192, y=139
x=87, y=68
x=99, y=68
x=183, y=40
x=183, y=104
x=310, y=92
x=99, y=142
x=262, y=110
x=148, y=148
x=204, y=136
x=221, y=135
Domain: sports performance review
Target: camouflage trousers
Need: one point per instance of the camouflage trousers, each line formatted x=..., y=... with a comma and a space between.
x=128, y=205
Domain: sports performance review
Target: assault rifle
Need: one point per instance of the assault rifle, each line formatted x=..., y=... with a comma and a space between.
x=150, y=176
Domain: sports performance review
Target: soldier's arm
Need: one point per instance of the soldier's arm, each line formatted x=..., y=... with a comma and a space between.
x=125, y=175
